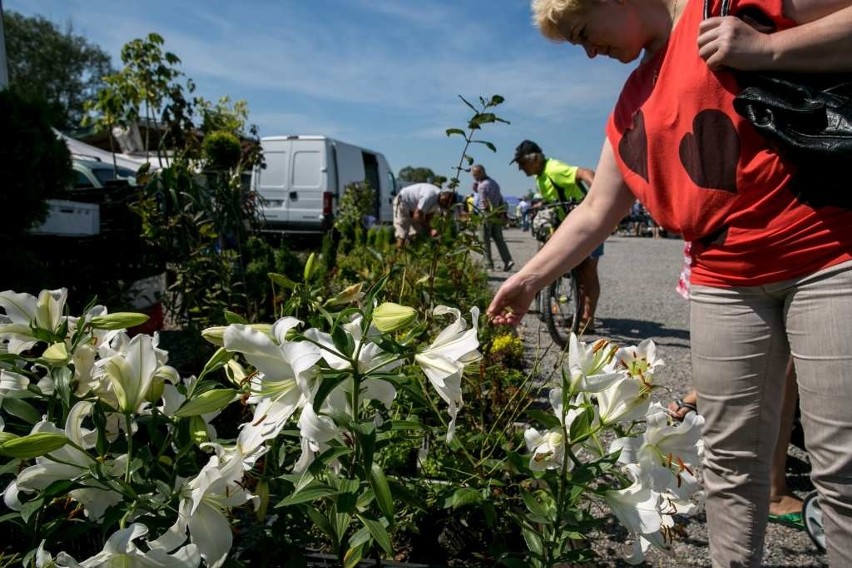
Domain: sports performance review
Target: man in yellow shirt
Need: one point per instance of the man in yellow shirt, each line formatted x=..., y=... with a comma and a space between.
x=559, y=182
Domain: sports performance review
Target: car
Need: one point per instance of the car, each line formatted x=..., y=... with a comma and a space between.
x=92, y=172
x=94, y=232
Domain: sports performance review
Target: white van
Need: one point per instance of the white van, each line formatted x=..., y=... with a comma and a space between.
x=303, y=178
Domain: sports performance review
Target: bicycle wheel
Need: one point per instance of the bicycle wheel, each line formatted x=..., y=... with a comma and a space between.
x=562, y=309
x=812, y=516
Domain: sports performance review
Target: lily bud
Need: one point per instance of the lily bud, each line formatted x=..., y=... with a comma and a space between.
x=215, y=335
x=198, y=430
x=56, y=354
x=209, y=401
x=391, y=317
x=310, y=266
x=351, y=294
x=118, y=320
x=33, y=445
x=155, y=392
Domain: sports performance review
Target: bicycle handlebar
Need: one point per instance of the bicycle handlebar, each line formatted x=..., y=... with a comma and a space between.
x=563, y=205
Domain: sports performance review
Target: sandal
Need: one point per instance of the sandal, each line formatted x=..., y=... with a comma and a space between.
x=790, y=520
x=676, y=414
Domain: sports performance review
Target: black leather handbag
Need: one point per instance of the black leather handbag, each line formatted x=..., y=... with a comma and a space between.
x=807, y=118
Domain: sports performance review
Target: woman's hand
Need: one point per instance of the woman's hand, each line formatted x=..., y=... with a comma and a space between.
x=512, y=300
x=730, y=42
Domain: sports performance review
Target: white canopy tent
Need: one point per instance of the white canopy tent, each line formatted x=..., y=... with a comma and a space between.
x=83, y=150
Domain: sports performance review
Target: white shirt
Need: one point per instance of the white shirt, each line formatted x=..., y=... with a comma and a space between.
x=422, y=196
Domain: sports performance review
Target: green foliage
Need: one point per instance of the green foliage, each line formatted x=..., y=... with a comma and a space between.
x=201, y=223
x=221, y=150
x=59, y=67
x=411, y=174
x=481, y=116
x=222, y=116
x=36, y=165
x=345, y=471
x=356, y=205
x=147, y=89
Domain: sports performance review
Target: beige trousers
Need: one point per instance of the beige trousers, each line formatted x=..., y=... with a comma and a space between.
x=740, y=339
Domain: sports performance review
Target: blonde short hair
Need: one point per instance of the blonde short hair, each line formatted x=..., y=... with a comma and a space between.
x=547, y=14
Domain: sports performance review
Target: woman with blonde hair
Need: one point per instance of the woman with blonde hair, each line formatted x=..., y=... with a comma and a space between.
x=771, y=274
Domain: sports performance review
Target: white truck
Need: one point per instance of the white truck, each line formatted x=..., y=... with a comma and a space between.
x=302, y=179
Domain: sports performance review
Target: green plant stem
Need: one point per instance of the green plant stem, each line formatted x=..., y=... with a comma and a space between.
x=128, y=424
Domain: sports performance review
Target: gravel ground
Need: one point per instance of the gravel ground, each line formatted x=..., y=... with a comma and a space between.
x=639, y=301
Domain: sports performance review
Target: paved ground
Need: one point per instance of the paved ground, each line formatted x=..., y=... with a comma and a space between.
x=638, y=301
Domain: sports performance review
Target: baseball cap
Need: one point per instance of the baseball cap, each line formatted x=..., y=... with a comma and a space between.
x=524, y=148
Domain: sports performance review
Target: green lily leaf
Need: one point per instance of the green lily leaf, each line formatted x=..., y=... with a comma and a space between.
x=381, y=489
x=233, y=317
x=379, y=533
x=310, y=493
x=21, y=409
x=353, y=556
x=282, y=281
x=217, y=361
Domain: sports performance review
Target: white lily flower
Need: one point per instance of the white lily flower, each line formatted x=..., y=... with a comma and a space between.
x=637, y=507
x=11, y=382
x=284, y=381
x=204, y=502
x=371, y=359
x=26, y=312
x=625, y=400
x=101, y=345
x=121, y=551
x=666, y=451
x=131, y=374
x=640, y=361
x=249, y=447
x=70, y=463
x=316, y=432
x=43, y=559
x=591, y=368
x=444, y=360
x=548, y=449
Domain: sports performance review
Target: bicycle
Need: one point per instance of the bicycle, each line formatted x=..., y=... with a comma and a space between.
x=560, y=305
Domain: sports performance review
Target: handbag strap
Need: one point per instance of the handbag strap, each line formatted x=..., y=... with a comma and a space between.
x=726, y=6
x=561, y=192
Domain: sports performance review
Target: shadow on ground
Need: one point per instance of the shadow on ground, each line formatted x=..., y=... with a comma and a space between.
x=637, y=330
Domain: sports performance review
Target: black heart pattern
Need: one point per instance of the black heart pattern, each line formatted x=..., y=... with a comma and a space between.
x=633, y=147
x=710, y=152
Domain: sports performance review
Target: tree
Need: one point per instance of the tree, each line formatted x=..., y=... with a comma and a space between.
x=411, y=174
x=59, y=67
x=36, y=165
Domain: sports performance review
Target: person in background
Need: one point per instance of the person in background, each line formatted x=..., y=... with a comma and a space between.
x=558, y=182
x=490, y=202
x=413, y=209
x=524, y=213
x=772, y=275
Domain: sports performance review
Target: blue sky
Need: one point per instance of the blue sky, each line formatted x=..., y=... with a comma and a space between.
x=383, y=74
